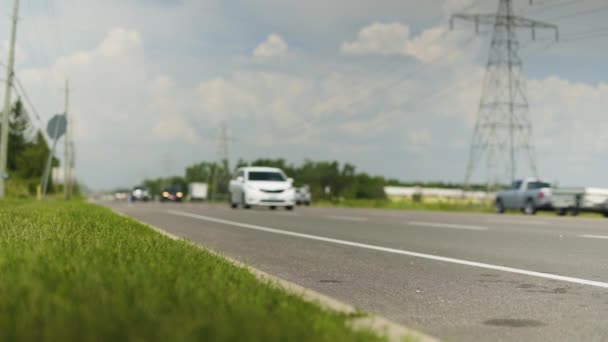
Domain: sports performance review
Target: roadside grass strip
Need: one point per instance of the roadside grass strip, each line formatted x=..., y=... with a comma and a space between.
x=79, y=272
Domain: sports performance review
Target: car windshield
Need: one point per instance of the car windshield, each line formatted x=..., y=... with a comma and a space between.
x=266, y=176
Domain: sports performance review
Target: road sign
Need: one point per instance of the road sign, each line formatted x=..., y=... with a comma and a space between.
x=55, y=129
x=57, y=126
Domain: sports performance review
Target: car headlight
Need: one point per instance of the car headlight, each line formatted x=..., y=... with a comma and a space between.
x=165, y=194
x=180, y=195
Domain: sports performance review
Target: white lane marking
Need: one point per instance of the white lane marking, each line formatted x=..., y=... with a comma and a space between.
x=347, y=218
x=593, y=236
x=445, y=225
x=523, y=222
x=394, y=251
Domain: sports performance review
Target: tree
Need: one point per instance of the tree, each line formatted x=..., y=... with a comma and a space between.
x=200, y=172
x=30, y=162
x=19, y=128
x=27, y=150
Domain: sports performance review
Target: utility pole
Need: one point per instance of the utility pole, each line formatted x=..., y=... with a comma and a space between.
x=7, y=101
x=503, y=129
x=66, y=146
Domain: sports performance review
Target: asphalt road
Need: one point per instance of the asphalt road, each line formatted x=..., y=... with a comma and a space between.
x=459, y=277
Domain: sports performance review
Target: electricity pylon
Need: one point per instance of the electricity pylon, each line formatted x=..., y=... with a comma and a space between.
x=503, y=131
x=223, y=159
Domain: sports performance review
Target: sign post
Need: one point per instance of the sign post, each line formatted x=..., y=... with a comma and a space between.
x=56, y=128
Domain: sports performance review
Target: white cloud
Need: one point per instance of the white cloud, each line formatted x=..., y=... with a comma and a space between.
x=388, y=39
x=273, y=46
x=380, y=38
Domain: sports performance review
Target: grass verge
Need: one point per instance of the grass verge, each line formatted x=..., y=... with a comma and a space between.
x=76, y=271
x=449, y=206
x=458, y=205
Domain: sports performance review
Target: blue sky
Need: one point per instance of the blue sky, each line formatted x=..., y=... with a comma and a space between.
x=376, y=83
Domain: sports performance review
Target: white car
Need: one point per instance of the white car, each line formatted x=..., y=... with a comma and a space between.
x=261, y=186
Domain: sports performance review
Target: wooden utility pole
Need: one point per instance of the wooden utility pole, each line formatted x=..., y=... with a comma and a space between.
x=4, y=133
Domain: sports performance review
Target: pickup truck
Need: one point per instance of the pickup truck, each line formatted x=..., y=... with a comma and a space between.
x=528, y=195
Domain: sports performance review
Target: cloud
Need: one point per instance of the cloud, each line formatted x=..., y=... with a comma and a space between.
x=273, y=46
x=380, y=38
x=394, y=39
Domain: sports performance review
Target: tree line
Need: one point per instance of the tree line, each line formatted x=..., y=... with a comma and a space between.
x=328, y=180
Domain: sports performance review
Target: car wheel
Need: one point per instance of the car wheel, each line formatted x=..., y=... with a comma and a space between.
x=273, y=208
x=244, y=202
x=562, y=212
x=605, y=213
x=530, y=209
x=289, y=207
x=233, y=204
x=499, y=207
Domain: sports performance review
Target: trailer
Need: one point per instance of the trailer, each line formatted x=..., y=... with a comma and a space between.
x=197, y=192
x=575, y=200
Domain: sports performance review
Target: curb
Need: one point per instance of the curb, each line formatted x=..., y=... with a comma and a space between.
x=382, y=326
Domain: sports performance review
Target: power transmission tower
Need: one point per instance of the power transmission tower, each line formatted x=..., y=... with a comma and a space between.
x=503, y=131
x=7, y=100
x=222, y=157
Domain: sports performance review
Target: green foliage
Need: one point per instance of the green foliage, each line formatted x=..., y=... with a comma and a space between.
x=460, y=205
x=442, y=185
x=72, y=271
x=27, y=154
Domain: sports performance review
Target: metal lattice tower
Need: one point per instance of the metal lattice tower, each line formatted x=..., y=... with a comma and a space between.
x=503, y=131
x=223, y=159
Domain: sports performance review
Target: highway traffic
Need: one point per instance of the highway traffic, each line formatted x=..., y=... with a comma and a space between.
x=452, y=275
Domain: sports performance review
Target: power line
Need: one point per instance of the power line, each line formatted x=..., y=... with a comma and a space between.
x=573, y=39
x=24, y=94
x=539, y=5
x=579, y=13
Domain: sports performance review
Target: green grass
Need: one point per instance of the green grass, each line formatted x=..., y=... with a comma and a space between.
x=455, y=205
x=78, y=272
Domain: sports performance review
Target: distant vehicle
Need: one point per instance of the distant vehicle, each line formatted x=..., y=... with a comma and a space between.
x=303, y=196
x=261, y=186
x=172, y=194
x=197, y=191
x=528, y=195
x=574, y=200
x=140, y=193
x=121, y=195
